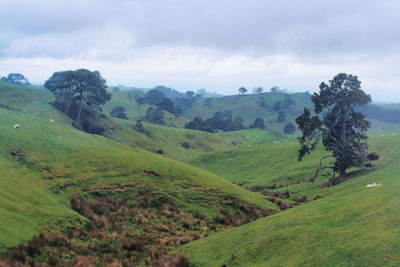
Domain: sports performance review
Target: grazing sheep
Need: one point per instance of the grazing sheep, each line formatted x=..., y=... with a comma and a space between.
x=373, y=185
x=16, y=126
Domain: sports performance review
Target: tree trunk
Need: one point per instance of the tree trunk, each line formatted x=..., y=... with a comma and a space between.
x=342, y=173
x=80, y=109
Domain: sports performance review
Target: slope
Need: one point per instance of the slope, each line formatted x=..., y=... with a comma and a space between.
x=56, y=163
x=352, y=225
x=249, y=107
x=126, y=99
x=37, y=101
x=181, y=144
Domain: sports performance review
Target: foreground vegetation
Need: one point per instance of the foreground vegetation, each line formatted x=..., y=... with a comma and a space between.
x=84, y=184
x=135, y=196
x=347, y=225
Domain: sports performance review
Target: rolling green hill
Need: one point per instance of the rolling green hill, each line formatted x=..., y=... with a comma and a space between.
x=45, y=165
x=126, y=100
x=351, y=225
x=137, y=197
x=248, y=106
x=166, y=139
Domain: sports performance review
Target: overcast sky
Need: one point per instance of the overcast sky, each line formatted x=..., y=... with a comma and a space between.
x=219, y=45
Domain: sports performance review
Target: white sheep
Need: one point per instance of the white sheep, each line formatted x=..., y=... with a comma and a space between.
x=373, y=185
x=16, y=126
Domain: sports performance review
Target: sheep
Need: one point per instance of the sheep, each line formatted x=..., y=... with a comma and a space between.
x=16, y=126
x=373, y=185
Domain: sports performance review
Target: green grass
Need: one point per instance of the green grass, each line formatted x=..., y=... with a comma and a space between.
x=260, y=165
x=181, y=144
x=56, y=162
x=257, y=136
x=126, y=99
x=350, y=226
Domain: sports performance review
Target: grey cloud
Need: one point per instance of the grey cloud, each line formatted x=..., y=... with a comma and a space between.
x=253, y=26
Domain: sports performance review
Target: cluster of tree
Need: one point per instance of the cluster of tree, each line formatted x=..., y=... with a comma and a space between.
x=276, y=89
x=338, y=125
x=220, y=121
x=223, y=121
x=242, y=91
x=78, y=94
x=281, y=116
x=175, y=106
x=155, y=115
x=168, y=92
x=119, y=112
x=208, y=102
x=258, y=90
x=156, y=97
x=285, y=104
x=258, y=123
x=289, y=128
x=16, y=78
x=203, y=93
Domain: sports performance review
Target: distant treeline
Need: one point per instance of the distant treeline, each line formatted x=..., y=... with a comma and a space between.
x=382, y=114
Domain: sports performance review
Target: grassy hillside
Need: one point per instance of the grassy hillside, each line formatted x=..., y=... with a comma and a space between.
x=126, y=99
x=350, y=226
x=54, y=164
x=256, y=136
x=248, y=106
x=181, y=144
x=33, y=100
x=169, y=140
x=260, y=165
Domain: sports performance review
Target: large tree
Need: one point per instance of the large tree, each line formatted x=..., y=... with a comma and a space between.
x=81, y=87
x=336, y=123
x=16, y=78
x=242, y=91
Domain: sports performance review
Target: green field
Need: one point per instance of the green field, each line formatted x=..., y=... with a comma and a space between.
x=44, y=164
x=350, y=226
x=126, y=100
x=143, y=197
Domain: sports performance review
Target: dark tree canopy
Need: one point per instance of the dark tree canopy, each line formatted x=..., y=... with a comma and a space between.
x=198, y=124
x=277, y=105
x=119, y=112
x=208, y=102
x=259, y=123
x=289, y=128
x=242, y=90
x=281, y=116
x=153, y=97
x=341, y=129
x=155, y=115
x=275, y=89
x=167, y=105
x=78, y=90
x=258, y=90
x=16, y=78
x=190, y=94
x=237, y=123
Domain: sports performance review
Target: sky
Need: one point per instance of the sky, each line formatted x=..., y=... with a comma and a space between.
x=219, y=45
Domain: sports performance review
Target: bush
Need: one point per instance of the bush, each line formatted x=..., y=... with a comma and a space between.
x=289, y=128
x=118, y=112
x=281, y=116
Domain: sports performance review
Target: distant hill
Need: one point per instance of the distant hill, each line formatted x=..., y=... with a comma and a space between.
x=265, y=106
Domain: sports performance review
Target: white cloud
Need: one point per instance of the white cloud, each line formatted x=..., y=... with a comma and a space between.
x=220, y=45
